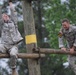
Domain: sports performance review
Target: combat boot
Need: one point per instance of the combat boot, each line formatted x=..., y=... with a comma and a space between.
x=13, y=60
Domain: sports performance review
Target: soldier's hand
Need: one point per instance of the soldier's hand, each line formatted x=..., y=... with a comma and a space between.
x=11, y=5
x=63, y=48
x=72, y=50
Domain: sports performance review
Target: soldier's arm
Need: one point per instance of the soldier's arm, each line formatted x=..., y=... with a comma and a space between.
x=60, y=39
x=13, y=13
x=75, y=37
x=61, y=45
x=1, y=21
x=0, y=29
x=1, y=25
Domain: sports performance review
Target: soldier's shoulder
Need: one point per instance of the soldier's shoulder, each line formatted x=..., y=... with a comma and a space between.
x=1, y=21
x=73, y=26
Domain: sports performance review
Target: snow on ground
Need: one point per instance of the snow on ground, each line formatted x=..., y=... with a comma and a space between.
x=66, y=64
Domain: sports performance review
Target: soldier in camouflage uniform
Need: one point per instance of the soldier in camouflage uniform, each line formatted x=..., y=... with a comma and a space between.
x=68, y=32
x=10, y=36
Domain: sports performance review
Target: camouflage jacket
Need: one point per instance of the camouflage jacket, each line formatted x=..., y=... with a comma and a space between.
x=69, y=36
x=9, y=31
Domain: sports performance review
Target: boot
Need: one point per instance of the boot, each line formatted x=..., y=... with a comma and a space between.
x=13, y=61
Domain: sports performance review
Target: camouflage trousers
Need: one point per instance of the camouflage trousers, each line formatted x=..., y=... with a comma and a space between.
x=12, y=50
x=72, y=62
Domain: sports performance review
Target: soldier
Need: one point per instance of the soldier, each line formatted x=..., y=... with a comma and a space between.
x=10, y=36
x=68, y=32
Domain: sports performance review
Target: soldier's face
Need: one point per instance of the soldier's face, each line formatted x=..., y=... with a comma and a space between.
x=65, y=25
x=5, y=17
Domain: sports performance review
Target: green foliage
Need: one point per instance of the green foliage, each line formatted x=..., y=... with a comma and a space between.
x=53, y=16
x=53, y=64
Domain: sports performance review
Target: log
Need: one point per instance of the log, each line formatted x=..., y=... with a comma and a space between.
x=55, y=51
x=43, y=51
x=24, y=55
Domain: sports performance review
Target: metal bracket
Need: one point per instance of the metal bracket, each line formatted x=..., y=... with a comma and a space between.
x=37, y=50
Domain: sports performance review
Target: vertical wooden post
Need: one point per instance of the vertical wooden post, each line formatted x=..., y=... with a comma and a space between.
x=0, y=18
x=0, y=12
x=30, y=37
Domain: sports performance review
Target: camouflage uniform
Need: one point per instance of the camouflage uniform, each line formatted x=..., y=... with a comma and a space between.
x=10, y=37
x=70, y=37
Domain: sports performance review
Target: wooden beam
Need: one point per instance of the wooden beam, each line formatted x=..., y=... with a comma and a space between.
x=43, y=51
x=54, y=51
x=24, y=55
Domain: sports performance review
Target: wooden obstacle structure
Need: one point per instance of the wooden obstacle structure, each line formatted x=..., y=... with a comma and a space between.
x=38, y=54
x=43, y=51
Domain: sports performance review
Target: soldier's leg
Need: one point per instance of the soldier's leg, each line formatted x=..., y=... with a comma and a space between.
x=2, y=48
x=13, y=56
x=72, y=62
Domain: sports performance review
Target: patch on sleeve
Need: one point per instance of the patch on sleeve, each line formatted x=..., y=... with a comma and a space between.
x=60, y=34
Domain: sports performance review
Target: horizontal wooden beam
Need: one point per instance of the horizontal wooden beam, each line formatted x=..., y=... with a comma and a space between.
x=43, y=51
x=54, y=51
x=24, y=55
